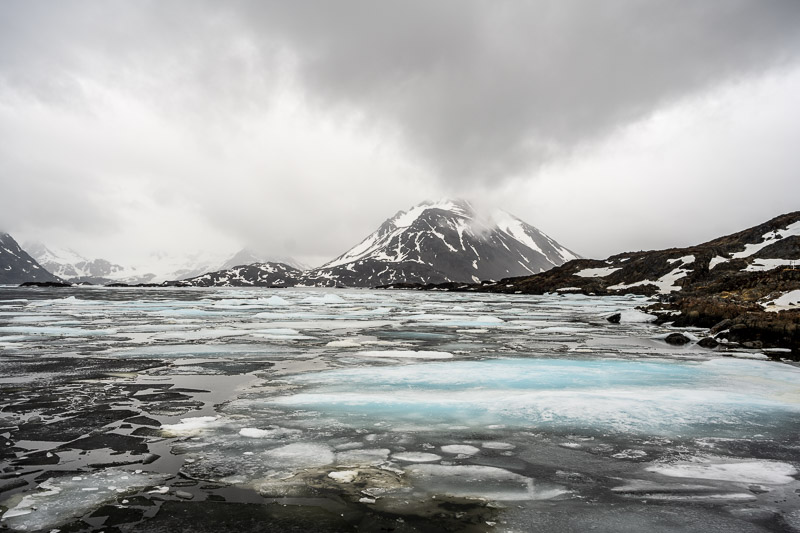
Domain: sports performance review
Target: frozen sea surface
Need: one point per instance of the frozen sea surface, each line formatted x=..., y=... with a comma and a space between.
x=462, y=411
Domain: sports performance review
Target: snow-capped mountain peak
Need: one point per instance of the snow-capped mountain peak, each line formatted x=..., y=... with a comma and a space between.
x=445, y=240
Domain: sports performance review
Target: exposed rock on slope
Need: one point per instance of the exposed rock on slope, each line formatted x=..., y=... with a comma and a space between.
x=737, y=259
x=255, y=275
x=16, y=266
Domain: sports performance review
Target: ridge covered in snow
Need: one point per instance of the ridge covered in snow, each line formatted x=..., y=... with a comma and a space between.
x=767, y=248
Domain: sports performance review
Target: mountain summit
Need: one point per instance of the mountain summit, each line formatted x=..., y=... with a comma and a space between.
x=436, y=242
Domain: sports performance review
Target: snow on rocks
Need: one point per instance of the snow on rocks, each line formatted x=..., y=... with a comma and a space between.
x=344, y=476
x=717, y=260
x=771, y=237
x=634, y=316
x=788, y=300
x=597, y=272
x=763, y=265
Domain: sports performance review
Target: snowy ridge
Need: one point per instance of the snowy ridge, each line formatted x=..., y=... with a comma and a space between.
x=254, y=275
x=769, y=248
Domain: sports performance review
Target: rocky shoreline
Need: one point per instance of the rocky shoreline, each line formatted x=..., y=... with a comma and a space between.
x=728, y=285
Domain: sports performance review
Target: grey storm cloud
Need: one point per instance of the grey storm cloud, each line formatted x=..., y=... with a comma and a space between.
x=484, y=89
x=478, y=90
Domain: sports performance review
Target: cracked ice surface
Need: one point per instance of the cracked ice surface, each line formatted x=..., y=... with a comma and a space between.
x=510, y=398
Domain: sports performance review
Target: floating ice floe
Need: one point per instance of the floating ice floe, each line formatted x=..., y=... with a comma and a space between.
x=689, y=492
x=324, y=299
x=191, y=426
x=470, y=481
x=273, y=432
x=497, y=445
x=405, y=354
x=416, y=457
x=273, y=300
x=344, y=343
x=57, y=331
x=460, y=449
x=59, y=499
x=767, y=472
x=299, y=455
x=633, y=316
x=365, y=456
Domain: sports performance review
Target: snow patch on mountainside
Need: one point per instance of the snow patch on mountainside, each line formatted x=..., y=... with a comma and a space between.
x=769, y=238
x=597, y=272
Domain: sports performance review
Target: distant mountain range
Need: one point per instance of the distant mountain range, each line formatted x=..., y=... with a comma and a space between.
x=432, y=242
x=72, y=267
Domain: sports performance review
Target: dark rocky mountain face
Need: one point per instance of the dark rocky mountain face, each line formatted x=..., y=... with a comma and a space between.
x=16, y=266
x=444, y=241
x=254, y=275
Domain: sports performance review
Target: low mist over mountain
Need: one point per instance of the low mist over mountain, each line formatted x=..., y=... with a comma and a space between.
x=249, y=256
x=16, y=266
x=157, y=267
x=70, y=265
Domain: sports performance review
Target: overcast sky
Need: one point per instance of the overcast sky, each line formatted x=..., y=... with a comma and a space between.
x=129, y=127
